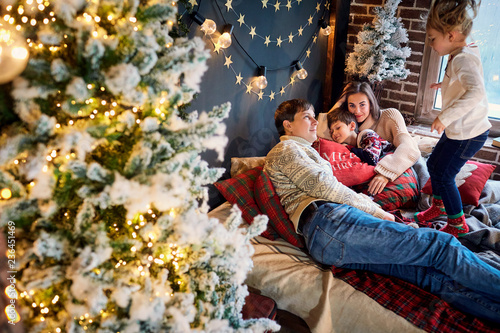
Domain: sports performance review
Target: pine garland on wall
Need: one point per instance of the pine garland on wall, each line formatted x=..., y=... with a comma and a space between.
x=378, y=55
x=102, y=187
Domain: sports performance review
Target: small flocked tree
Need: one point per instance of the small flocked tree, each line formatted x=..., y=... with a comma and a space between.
x=378, y=55
x=102, y=178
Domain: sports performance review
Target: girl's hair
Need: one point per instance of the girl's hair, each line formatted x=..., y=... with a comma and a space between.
x=355, y=87
x=448, y=15
x=287, y=111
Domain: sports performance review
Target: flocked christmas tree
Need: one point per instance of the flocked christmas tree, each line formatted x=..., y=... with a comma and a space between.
x=378, y=55
x=102, y=179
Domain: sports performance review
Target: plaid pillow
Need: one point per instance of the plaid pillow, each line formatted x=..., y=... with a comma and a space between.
x=269, y=203
x=239, y=190
x=401, y=193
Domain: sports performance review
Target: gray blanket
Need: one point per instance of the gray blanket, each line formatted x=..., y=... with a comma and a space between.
x=483, y=220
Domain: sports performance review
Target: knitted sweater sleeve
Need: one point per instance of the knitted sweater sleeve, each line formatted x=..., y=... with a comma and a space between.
x=391, y=127
x=293, y=171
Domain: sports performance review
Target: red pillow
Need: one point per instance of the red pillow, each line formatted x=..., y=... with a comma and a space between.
x=346, y=166
x=239, y=190
x=269, y=203
x=470, y=191
x=400, y=193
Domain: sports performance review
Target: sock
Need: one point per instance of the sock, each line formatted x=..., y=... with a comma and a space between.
x=456, y=225
x=436, y=210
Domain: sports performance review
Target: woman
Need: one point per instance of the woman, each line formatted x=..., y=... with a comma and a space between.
x=359, y=99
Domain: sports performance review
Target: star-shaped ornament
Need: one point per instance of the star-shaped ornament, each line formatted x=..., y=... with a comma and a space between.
x=282, y=91
x=290, y=38
x=299, y=1
x=271, y=95
x=249, y=88
x=310, y=20
x=318, y=7
x=217, y=47
x=193, y=2
x=289, y=4
x=239, y=78
x=260, y=94
x=229, y=4
x=301, y=30
x=315, y=38
x=264, y=3
x=268, y=40
x=292, y=80
x=277, y=6
x=252, y=32
x=279, y=41
x=241, y=20
x=308, y=52
x=228, y=61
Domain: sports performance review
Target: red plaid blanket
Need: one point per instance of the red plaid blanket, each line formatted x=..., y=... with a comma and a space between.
x=419, y=307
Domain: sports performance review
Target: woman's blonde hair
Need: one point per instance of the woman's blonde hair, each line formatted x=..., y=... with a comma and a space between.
x=448, y=15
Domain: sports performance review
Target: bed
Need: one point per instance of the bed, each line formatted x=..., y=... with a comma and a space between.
x=338, y=300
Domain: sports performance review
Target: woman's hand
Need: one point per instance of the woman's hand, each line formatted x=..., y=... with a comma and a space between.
x=436, y=86
x=438, y=126
x=377, y=184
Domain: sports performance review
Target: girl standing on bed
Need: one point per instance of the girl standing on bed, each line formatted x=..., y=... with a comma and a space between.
x=464, y=114
x=359, y=99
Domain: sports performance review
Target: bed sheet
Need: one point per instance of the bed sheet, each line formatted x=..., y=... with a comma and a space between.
x=310, y=291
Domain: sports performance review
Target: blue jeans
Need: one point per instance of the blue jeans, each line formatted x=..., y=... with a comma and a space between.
x=346, y=237
x=444, y=164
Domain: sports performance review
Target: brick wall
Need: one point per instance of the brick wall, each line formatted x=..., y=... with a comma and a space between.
x=401, y=95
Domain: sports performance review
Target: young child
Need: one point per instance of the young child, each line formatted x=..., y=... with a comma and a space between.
x=464, y=114
x=367, y=145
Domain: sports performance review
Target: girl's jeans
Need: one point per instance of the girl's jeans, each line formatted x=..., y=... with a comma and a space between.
x=347, y=237
x=446, y=160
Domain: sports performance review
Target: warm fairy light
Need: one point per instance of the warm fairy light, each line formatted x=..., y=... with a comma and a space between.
x=110, y=17
x=103, y=102
x=140, y=268
x=20, y=9
x=133, y=249
x=138, y=121
x=42, y=318
x=33, y=304
x=45, y=168
x=58, y=125
x=16, y=162
x=55, y=299
x=129, y=222
x=53, y=153
x=71, y=122
x=32, y=292
x=6, y=194
x=150, y=244
x=12, y=314
x=133, y=19
x=48, y=158
x=33, y=22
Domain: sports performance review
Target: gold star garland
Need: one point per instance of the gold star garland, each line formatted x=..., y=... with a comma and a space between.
x=276, y=6
x=249, y=82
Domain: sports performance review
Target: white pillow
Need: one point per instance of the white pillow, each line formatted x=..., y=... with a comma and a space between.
x=322, y=130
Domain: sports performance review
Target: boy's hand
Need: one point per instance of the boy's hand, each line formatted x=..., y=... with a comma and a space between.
x=377, y=184
x=436, y=86
x=438, y=126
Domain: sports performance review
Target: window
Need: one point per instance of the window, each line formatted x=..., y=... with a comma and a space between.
x=485, y=34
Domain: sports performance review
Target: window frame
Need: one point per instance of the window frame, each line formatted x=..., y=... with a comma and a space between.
x=429, y=73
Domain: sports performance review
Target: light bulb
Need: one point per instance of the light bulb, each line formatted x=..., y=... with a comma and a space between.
x=327, y=31
x=225, y=40
x=13, y=54
x=208, y=27
x=261, y=82
x=301, y=74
